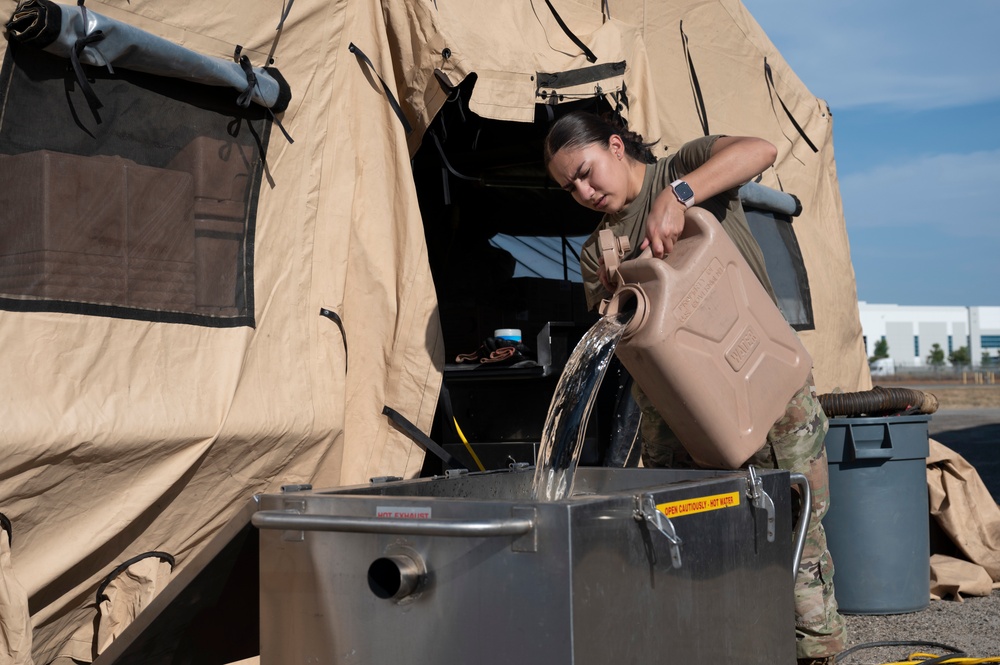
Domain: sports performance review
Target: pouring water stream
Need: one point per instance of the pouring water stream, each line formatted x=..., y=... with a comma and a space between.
x=569, y=411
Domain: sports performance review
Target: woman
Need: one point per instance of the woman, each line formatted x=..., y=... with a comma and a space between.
x=612, y=170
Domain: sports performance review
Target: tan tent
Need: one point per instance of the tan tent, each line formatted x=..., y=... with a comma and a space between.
x=138, y=422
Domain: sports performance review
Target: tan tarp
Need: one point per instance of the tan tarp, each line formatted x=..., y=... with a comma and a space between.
x=15, y=622
x=965, y=510
x=123, y=436
x=952, y=577
x=122, y=599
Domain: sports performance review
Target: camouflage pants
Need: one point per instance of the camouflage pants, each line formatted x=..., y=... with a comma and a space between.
x=794, y=443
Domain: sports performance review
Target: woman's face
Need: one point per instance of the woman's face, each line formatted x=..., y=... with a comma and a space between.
x=596, y=175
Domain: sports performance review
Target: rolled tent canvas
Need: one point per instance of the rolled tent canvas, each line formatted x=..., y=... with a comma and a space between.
x=124, y=436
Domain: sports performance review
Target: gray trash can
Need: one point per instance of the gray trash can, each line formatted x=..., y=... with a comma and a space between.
x=877, y=527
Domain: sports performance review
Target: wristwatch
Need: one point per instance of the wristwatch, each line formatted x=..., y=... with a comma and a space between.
x=683, y=192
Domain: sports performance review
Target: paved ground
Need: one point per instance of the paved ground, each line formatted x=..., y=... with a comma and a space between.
x=975, y=435
x=973, y=625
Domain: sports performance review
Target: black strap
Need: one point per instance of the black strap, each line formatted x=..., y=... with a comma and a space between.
x=448, y=168
x=274, y=119
x=770, y=87
x=333, y=316
x=277, y=33
x=247, y=95
x=392, y=99
x=162, y=556
x=243, y=101
x=449, y=411
x=429, y=444
x=569, y=33
x=447, y=164
x=81, y=76
x=699, y=98
x=580, y=76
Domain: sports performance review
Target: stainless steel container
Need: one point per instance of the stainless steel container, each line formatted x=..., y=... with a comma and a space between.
x=639, y=566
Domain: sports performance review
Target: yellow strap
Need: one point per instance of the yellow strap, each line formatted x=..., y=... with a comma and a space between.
x=468, y=446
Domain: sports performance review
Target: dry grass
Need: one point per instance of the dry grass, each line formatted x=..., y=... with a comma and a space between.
x=954, y=394
x=967, y=397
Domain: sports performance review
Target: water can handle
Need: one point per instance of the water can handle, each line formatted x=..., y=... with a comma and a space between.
x=613, y=250
x=860, y=447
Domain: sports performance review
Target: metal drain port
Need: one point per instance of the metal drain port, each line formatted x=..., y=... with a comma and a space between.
x=397, y=577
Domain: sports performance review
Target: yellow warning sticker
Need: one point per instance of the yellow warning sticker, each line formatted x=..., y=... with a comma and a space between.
x=699, y=505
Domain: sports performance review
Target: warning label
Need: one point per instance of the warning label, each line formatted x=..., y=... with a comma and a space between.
x=403, y=513
x=699, y=505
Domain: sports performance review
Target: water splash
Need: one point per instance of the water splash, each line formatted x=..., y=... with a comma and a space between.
x=569, y=411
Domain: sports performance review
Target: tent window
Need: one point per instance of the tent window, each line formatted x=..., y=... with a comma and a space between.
x=148, y=214
x=776, y=237
x=543, y=256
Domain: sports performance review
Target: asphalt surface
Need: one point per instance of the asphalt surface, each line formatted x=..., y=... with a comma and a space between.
x=973, y=625
x=975, y=435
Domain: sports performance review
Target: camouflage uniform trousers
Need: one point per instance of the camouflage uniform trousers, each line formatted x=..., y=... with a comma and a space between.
x=794, y=443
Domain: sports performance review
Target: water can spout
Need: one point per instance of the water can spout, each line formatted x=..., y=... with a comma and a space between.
x=628, y=302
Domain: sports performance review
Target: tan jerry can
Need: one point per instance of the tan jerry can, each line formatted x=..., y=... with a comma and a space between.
x=706, y=343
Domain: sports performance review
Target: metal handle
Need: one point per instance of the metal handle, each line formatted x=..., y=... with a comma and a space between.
x=510, y=526
x=802, y=524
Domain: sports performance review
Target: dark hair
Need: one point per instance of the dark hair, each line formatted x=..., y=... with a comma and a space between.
x=579, y=129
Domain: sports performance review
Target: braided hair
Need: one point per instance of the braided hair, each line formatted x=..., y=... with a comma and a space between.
x=579, y=129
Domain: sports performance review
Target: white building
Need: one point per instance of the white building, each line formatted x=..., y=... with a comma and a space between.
x=912, y=331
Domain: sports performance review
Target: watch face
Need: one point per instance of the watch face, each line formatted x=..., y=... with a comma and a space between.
x=683, y=191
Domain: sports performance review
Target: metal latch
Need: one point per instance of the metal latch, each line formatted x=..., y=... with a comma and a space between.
x=645, y=510
x=514, y=465
x=379, y=480
x=759, y=499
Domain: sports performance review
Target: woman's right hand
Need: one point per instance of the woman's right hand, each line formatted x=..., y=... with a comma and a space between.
x=664, y=224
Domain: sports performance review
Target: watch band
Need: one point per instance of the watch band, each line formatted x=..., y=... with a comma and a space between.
x=683, y=192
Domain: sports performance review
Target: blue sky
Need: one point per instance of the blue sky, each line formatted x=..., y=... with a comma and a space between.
x=914, y=88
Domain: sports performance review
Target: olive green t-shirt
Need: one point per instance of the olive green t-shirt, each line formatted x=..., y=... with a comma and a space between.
x=631, y=220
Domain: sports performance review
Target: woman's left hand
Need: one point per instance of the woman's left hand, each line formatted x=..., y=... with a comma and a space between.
x=664, y=224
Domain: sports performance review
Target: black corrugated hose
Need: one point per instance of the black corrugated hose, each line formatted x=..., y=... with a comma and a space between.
x=879, y=401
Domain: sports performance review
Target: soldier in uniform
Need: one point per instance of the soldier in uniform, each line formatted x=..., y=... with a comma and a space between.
x=612, y=170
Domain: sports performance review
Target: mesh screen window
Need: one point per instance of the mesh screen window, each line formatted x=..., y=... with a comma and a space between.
x=785, y=267
x=148, y=214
